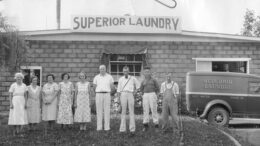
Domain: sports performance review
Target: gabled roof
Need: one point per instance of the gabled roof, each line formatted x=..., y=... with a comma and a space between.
x=184, y=36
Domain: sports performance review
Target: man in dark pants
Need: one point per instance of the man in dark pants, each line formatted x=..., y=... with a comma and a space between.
x=150, y=89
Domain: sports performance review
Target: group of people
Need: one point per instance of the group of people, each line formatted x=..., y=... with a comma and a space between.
x=54, y=102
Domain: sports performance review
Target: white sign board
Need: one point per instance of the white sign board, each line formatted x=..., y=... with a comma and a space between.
x=126, y=24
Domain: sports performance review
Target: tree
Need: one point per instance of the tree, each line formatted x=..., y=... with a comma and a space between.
x=13, y=48
x=251, y=26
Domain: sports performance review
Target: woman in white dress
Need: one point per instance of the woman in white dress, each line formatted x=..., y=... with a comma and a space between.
x=34, y=103
x=49, y=98
x=65, y=101
x=82, y=92
x=18, y=97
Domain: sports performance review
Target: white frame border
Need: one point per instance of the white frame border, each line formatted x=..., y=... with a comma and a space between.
x=224, y=59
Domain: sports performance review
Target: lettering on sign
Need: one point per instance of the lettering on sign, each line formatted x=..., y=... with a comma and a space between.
x=217, y=84
x=126, y=24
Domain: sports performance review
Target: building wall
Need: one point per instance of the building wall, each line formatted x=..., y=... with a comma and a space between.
x=176, y=57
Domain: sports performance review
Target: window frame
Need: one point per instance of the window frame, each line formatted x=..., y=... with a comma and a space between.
x=127, y=62
x=247, y=60
x=33, y=67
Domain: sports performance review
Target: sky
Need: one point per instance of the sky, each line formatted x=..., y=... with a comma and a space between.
x=218, y=16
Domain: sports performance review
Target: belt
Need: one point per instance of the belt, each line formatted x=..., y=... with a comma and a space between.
x=127, y=91
x=103, y=92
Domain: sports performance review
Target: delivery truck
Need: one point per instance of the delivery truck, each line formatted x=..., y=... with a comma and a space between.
x=220, y=96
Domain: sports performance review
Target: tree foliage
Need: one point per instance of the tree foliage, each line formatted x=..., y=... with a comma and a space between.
x=13, y=48
x=251, y=26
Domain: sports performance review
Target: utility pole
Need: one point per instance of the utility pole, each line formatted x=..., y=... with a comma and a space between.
x=58, y=7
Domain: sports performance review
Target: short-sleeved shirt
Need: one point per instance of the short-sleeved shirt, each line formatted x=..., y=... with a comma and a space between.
x=173, y=85
x=127, y=84
x=18, y=90
x=149, y=85
x=103, y=82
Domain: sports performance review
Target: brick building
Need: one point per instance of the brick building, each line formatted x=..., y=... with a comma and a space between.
x=58, y=51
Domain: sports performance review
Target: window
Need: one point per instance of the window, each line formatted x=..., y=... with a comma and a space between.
x=254, y=87
x=223, y=64
x=239, y=66
x=30, y=71
x=118, y=61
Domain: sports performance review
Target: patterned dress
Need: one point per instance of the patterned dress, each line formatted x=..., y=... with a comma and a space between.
x=18, y=114
x=33, y=104
x=65, y=115
x=82, y=113
x=49, y=111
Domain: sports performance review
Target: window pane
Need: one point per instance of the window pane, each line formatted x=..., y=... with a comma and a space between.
x=235, y=66
x=121, y=58
x=138, y=57
x=113, y=68
x=121, y=66
x=113, y=57
x=131, y=68
x=254, y=87
x=130, y=57
x=138, y=67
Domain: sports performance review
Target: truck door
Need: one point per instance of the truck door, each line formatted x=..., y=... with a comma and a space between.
x=253, y=99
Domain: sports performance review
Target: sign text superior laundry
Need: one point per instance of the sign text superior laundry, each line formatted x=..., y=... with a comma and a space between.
x=126, y=24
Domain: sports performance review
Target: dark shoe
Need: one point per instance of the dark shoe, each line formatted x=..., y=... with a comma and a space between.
x=156, y=128
x=145, y=127
x=132, y=134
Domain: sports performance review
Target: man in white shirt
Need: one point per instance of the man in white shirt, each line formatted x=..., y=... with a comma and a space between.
x=126, y=87
x=170, y=92
x=103, y=83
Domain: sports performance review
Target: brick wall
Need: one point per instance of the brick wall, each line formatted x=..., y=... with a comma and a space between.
x=176, y=57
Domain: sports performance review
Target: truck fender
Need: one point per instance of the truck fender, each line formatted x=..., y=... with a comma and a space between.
x=214, y=102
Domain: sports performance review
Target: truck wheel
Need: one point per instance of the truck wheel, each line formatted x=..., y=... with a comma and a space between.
x=218, y=116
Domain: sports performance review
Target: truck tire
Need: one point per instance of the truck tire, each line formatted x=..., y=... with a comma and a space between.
x=218, y=116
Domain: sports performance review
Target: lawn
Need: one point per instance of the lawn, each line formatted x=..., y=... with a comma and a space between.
x=195, y=134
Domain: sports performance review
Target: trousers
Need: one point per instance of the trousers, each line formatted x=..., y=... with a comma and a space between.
x=103, y=102
x=169, y=108
x=127, y=99
x=150, y=102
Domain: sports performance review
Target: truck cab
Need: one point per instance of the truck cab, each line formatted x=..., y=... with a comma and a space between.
x=219, y=96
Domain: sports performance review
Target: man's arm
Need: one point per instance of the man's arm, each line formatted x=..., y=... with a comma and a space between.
x=157, y=88
x=175, y=89
x=94, y=84
x=162, y=88
x=141, y=89
x=119, y=88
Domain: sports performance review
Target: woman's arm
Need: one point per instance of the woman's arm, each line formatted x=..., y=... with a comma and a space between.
x=25, y=98
x=11, y=100
x=56, y=93
x=75, y=97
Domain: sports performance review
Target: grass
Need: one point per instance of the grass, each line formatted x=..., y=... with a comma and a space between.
x=195, y=134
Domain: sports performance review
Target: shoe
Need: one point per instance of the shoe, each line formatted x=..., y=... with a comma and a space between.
x=132, y=134
x=145, y=129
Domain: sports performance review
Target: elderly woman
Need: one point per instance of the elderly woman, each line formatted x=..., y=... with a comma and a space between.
x=49, y=98
x=18, y=95
x=34, y=103
x=65, y=101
